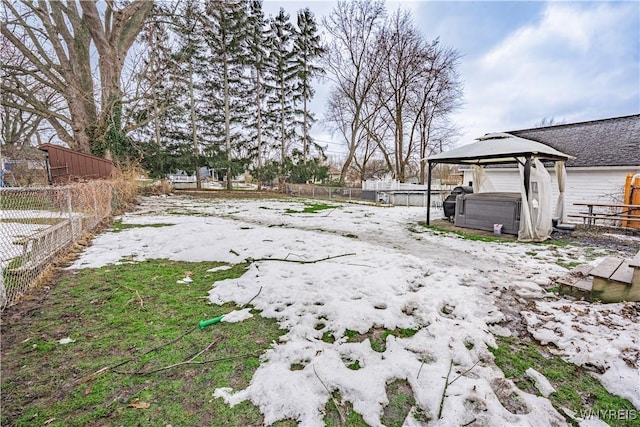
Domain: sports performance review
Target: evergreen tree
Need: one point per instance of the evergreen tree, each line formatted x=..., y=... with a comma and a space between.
x=257, y=56
x=190, y=62
x=225, y=34
x=281, y=85
x=159, y=109
x=307, y=50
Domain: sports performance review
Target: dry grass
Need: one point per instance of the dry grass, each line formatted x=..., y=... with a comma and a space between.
x=157, y=188
x=125, y=187
x=83, y=205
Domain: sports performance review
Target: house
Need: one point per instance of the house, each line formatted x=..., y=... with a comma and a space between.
x=334, y=173
x=605, y=152
x=22, y=166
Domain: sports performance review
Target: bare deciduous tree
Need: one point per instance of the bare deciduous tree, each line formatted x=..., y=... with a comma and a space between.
x=441, y=95
x=20, y=125
x=392, y=87
x=354, y=65
x=405, y=54
x=419, y=89
x=56, y=40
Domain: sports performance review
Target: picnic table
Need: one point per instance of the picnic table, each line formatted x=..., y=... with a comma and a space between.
x=607, y=211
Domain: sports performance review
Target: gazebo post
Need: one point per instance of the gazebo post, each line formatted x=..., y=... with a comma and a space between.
x=430, y=168
x=527, y=176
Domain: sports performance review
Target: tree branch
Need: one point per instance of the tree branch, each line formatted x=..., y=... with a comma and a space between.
x=298, y=261
x=94, y=25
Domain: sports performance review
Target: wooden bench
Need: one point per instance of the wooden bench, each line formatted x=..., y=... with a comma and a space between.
x=613, y=280
x=604, y=216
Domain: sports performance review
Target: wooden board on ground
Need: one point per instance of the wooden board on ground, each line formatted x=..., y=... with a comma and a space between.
x=607, y=267
x=623, y=274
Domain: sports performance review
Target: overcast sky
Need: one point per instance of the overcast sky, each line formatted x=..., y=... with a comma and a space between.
x=523, y=61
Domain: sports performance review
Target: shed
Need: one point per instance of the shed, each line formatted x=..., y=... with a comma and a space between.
x=535, y=216
x=65, y=165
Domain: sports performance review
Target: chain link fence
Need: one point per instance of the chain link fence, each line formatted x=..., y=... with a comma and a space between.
x=37, y=224
x=328, y=193
x=396, y=197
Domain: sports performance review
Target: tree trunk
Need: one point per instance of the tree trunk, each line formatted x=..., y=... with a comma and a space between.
x=304, y=131
x=227, y=117
x=194, y=132
x=259, y=127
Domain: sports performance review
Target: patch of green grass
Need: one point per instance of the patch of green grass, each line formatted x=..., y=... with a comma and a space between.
x=552, y=242
x=378, y=337
x=469, y=235
x=354, y=366
x=310, y=207
x=575, y=388
x=351, y=335
x=136, y=316
x=341, y=414
x=568, y=264
x=328, y=337
x=401, y=401
x=593, y=253
x=117, y=225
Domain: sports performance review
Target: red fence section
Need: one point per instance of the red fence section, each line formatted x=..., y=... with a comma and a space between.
x=66, y=165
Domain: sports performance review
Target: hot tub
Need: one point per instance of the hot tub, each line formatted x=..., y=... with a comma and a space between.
x=481, y=211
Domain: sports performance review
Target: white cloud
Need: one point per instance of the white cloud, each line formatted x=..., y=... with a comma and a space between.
x=579, y=62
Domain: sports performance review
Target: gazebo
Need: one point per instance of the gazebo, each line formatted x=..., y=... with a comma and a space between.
x=502, y=148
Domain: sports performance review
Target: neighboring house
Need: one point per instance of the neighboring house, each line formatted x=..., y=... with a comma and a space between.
x=22, y=166
x=605, y=152
x=334, y=173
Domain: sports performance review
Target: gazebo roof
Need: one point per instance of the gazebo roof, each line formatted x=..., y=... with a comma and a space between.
x=498, y=148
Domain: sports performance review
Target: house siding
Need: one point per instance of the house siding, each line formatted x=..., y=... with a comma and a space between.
x=584, y=185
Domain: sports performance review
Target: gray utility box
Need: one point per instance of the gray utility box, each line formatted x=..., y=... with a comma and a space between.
x=481, y=211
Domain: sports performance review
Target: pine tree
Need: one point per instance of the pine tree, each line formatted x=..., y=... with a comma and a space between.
x=281, y=85
x=189, y=59
x=225, y=34
x=257, y=56
x=159, y=110
x=307, y=50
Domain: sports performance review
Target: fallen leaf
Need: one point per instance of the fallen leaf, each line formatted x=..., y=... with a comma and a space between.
x=139, y=405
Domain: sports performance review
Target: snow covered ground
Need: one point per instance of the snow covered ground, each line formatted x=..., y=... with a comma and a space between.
x=381, y=271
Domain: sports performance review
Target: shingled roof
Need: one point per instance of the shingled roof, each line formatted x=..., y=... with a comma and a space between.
x=607, y=142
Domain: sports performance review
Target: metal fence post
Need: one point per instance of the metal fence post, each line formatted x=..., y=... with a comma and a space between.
x=70, y=209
